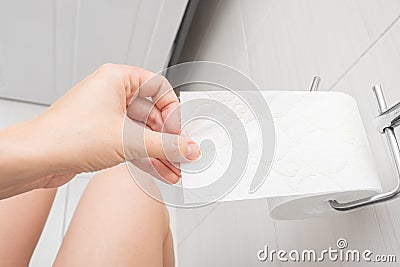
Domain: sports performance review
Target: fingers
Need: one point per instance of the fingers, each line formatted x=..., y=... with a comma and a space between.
x=173, y=167
x=160, y=90
x=174, y=148
x=144, y=83
x=143, y=110
x=141, y=143
x=157, y=169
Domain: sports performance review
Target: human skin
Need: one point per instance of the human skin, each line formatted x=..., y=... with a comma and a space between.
x=115, y=224
x=82, y=132
x=22, y=220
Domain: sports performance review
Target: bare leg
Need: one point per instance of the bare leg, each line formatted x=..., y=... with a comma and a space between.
x=117, y=224
x=22, y=219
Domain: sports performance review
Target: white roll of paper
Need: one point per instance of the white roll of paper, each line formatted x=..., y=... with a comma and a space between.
x=321, y=152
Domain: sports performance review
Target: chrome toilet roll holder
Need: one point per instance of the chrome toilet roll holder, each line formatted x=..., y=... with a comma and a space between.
x=386, y=121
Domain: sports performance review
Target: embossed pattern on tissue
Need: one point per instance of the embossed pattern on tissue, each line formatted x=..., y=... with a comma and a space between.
x=320, y=144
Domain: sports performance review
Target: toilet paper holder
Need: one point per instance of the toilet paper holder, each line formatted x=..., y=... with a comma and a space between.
x=386, y=121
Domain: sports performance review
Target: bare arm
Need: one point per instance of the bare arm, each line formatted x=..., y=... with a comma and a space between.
x=82, y=132
x=20, y=171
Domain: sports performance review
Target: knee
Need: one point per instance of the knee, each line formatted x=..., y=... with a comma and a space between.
x=124, y=193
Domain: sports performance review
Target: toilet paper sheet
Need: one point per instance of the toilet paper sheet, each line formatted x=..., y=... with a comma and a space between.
x=321, y=151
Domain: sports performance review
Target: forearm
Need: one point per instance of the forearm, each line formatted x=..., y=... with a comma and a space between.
x=23, y=165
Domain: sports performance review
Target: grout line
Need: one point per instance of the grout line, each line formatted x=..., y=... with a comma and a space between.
x=274, y=223
x=198, y=224
x=388, y=28
x=64, y=224
x=133, y=30
x=24, y=101
x=379, y=224
x=54, y=40
x=244, y=36
x=2, y=69
x=393, y=223
x=155, y=28
x=76, y=37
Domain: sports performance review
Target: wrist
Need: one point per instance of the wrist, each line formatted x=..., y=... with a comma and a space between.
x=23, y=166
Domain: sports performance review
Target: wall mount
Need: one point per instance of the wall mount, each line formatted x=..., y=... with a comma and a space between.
x=386, y=121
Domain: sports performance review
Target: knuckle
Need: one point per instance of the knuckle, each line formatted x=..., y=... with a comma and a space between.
x=153, y=161
x=111, y=69
x=165, y=85
x=162, y=82
x=163, y=79
x=152, y=117
x=107, y=67
x=175, y=147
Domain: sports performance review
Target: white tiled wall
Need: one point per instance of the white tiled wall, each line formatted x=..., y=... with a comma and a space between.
x=54, y=44
x=281, y=45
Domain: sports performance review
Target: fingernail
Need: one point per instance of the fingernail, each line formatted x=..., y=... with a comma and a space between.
x=192, y=151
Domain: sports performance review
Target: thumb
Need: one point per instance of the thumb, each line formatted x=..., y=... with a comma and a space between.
x=140, y=142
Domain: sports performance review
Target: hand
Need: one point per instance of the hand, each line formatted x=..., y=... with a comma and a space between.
x=82, y=131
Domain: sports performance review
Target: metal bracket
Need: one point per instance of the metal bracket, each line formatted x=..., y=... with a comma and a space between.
x=315, y=83
x=388, y=130
x=387, y=120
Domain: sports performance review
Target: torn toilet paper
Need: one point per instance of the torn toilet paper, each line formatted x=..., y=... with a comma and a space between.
x=321, y=151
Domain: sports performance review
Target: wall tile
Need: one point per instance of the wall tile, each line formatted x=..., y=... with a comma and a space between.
x=282, y=45
x=47, y=46
x=229, y=234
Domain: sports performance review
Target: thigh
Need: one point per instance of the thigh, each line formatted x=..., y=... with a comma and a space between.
x=117, y=224
x=22, y=219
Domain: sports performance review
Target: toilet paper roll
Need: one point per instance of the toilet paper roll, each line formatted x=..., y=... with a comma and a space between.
x=321, y=151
